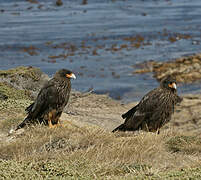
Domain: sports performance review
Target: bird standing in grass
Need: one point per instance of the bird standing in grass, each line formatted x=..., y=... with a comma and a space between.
x=50, y=101
x=154, y=110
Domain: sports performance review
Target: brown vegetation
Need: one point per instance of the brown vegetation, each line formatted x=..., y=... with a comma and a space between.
x=31, y=50
x=185, y=69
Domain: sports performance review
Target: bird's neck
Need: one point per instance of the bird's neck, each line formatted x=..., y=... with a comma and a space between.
x=169, y=89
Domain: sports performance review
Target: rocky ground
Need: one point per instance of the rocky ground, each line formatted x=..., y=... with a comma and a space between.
x=185, y=69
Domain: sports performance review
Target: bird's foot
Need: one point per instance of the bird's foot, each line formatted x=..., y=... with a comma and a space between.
x=51, y=126
x=55, y=125
x=59, y=125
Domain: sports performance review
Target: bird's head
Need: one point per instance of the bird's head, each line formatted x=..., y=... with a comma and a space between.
x=65, y=73
x=169, y=83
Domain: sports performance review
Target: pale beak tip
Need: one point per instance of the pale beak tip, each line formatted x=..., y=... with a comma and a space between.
x=174, y=86
x=73, y=76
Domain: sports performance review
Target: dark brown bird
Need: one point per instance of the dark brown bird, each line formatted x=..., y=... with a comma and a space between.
x=154, y=110
x=50, y=101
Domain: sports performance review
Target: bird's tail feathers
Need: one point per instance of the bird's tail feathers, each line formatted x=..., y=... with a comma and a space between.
x=122, y=127
x=29, y=108
x=24, y=123
x=129, y=113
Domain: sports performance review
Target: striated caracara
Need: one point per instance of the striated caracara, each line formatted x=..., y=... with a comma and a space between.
x=51, y=100
x=154, y=110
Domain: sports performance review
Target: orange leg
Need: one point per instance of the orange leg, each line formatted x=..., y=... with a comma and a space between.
x=50, y=116
x=59, y=123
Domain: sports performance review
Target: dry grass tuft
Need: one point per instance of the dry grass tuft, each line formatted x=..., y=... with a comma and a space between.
x=91, y=152
x=185, y=144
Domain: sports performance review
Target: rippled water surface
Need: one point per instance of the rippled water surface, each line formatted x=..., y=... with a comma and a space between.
x=101, y=40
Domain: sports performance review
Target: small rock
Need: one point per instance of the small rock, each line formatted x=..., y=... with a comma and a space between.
x=59, y=3
x=185, y=69
x=195, y=42
x=3, y=96
x=84, y=2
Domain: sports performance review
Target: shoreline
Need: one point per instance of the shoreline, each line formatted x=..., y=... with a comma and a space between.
x=86, y=108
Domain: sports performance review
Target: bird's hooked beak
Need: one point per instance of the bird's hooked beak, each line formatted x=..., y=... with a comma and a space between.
x=172, y=85
x=72, y=76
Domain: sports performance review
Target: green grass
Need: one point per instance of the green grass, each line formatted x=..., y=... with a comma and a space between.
x=11, y=92
x=12, y=105
x=25, y=72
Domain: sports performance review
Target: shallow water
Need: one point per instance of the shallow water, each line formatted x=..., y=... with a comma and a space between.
x=100, y=41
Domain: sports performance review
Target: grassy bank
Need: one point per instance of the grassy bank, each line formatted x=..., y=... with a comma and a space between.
x=90, y=150
x=89, y=153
